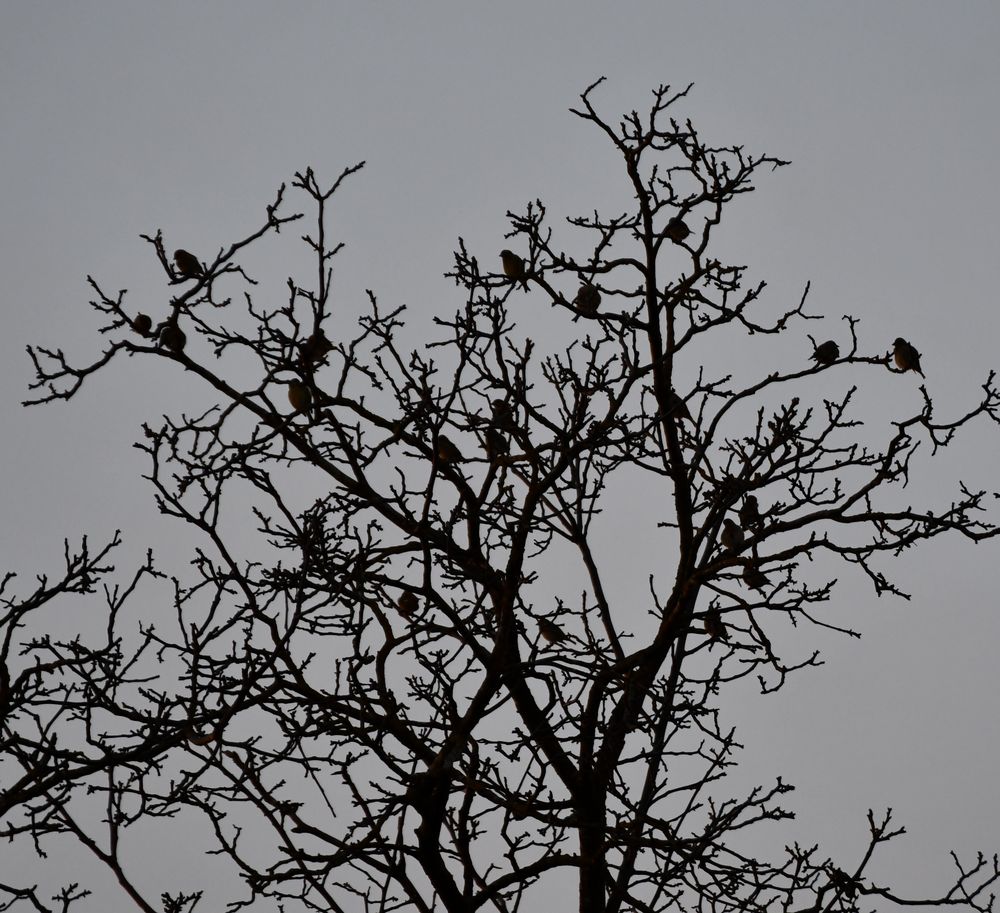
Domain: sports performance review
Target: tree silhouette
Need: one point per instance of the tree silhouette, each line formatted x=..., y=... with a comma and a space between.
x=383, y=707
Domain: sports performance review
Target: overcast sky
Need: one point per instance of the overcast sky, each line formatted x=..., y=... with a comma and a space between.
x=121, y=118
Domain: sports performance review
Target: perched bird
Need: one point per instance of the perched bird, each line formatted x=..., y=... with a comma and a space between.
x=407, y=604
x=677, y=407
x=714, y=626
x=142, y=324
x=826, y=353
x=750, y=512
x=513, y=267
x=907, y=358
x=732, y=535
x=172, y=337
x=495, y=444
x=299, y=395
x=727, y=490
x=315, y=348
x=753, y=576
x=503, y=415
x=843, y=882
x=188, y=265
x=550, y=631
x=677, y=230
x=446, y=450
x=587, y=300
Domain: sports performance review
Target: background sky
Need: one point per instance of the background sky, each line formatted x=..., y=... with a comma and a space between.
x=119, y=118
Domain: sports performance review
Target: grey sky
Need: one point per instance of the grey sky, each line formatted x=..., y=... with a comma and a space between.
x=119, y=118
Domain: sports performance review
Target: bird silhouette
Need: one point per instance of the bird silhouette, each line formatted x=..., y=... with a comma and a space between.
x=677, y=407
x=753, y=576
x=826, y=353
x=299, y=395
x=495, y=444
x=714, y=626
x=407, y=604
x=172, y=337
x=587, y=300
x=315, y=348
x=446, y=450
x=732, y=535
x=677, y=230
x=550, y=631
x=513, y=268
x=750, y=512
x=503, y=415
x=907, y=358
x=188, y=265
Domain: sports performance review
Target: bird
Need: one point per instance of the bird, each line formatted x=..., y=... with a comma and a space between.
x=750, y=512
x=826, y=353
x=407, y=604
x=142, y=324
x=677, y=407
x=677, y=230
x=550, y=631
x=753, y=576
x=513, y=267
x=495, y=444
x=714, y=626
x=503, y=415
x=587, y=300
x=446, y=450
x=299, y=395
x=843, y=882
x=732, y=535
x=172, y=337
x=188, y=265
x=907, y=358
x=315, y=348
x=727, y=490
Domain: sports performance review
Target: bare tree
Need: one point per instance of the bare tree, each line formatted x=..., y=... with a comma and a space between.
x=376, y=709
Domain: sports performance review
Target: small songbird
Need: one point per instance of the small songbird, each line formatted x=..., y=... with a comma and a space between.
x=172, y=337
x=142, y=324
x=550, y=631
x=750, y=512
x=907, y=358
x=513, y=267
x=732, y=535
x=714, y=626
x=587, y=300
x=727, y=490
x=677, y=407
x=315, y=348
x=677, y=230
x=753, y=576
x=188, y=265
x=407, y=604
x=843, y=882
x=503, y=415
x=299, y=395
x=495, y=444
x=826, y=353
x=446, y=450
